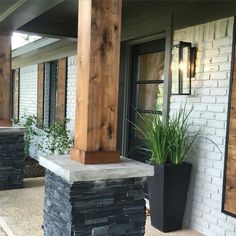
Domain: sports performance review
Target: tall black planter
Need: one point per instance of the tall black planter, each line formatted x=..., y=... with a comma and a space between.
x=168, y=190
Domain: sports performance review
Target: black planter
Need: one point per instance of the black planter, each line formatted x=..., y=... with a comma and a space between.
x=168, y=190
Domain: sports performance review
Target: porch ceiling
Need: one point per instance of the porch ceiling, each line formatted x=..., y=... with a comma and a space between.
x=15, y=13
x=58, y=21
x=58, y=18
x=64, y=16
x=62, y=19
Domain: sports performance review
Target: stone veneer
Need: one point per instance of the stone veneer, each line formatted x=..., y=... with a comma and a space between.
x=11, y=158
x=104, y=207
x=99, y=200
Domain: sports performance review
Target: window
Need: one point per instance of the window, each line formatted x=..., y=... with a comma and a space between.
x=54, y=92
x=147, y=89
x=50, y=88
x=149, y=82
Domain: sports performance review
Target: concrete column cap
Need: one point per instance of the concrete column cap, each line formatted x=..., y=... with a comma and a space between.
x=73, y=171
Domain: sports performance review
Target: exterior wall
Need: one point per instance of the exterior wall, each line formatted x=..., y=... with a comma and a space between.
x=28, y=90
x=28, y=95
x=210, y=90
x=71, y=87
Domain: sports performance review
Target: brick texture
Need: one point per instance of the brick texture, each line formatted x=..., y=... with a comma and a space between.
x=71, y=92
x=28, y=90
x=210, y=90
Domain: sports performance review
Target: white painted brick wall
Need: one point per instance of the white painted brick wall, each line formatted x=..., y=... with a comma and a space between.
x=28, y=95
x=28, y=90
x=210, y=89
x=71, y=89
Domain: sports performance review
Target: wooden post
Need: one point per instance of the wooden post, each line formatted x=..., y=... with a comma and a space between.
x=16, y=83
x=40, y=95
x=5, y=80
x=97, y=83
x=61, y=91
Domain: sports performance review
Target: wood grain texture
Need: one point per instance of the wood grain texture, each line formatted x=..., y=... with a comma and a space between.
x=98, y=75
x=230, y=187
x=5, y=123
x=98, y=157
x=5, y=75
x=61, y=91
x=16, y=81
x=40, y=94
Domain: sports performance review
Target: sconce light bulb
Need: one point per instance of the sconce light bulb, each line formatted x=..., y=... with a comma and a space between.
x=173, y=66
x=181, y=65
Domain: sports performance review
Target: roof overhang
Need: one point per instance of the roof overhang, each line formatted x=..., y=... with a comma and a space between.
x=16, y=13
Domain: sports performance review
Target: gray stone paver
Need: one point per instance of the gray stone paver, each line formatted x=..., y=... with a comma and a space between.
x=2, y=233
x=22, y=211
x=151, y=231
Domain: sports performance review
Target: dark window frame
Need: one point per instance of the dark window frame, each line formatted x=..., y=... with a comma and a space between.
x=125, y=83
x=50, y=90
x=53, y=92
x=137, y=50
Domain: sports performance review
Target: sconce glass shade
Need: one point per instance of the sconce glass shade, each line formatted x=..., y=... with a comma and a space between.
x=182, y=68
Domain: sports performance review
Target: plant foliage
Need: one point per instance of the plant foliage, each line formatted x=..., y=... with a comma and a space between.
x=167, y=141
x=58, y=140
x=30, y=124
x=181, y=140
x=52, y=140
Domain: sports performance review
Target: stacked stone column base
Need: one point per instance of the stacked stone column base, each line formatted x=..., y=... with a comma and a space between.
x=103, y=207
x=11, y=158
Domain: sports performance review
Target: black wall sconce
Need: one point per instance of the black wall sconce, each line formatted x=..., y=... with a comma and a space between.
x=183, y=67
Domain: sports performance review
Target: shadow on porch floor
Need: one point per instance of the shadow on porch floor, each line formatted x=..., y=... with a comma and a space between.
x=21, y=212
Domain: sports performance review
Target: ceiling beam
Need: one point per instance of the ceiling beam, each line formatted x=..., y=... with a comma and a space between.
x=11, y=9
x=50, y=28
x=24, y=11
x=59, y=49
x=33, y=46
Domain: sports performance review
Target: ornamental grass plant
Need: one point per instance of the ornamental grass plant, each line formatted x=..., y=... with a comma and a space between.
x=168, y=141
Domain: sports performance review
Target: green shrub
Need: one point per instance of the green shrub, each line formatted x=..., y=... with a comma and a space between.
x=58, y=140
x=53, y=140
x=30, y=124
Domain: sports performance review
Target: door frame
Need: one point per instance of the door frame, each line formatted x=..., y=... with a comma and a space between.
x=125, y=82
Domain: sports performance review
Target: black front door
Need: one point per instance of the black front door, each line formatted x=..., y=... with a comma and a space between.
x=146, y=95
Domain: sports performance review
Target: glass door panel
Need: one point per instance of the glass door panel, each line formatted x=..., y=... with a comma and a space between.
x=150, y=97
x=151, y=66
x=147, y=82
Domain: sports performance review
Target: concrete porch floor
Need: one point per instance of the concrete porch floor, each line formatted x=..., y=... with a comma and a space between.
x=21, y=212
